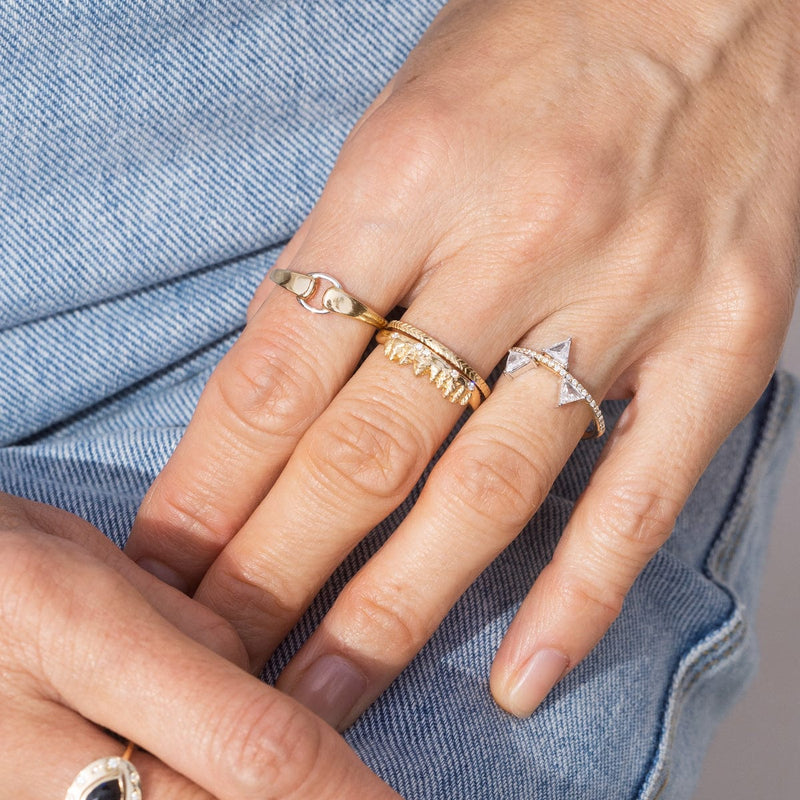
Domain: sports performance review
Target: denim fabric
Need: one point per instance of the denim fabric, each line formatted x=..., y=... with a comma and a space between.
x=154, y=158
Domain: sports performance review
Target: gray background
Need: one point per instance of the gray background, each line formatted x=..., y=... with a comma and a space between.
x=756, y=752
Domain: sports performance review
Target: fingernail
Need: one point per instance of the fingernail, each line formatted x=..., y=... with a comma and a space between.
x=534, y=681
x=330, y=688
x=164, y=573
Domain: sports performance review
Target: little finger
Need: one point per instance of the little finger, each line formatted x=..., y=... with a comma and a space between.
x=659, y=448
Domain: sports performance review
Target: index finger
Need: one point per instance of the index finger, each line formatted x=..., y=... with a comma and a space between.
x=275, y=381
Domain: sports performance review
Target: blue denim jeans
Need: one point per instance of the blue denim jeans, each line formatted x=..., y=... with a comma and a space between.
x=154, y=158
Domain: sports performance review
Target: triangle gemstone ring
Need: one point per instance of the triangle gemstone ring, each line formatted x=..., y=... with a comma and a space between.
x=556, y=359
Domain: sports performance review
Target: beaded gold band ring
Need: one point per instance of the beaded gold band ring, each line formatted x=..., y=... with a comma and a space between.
x=458, y=382
x=556, y=359
x=334, y=298
x=112, y=778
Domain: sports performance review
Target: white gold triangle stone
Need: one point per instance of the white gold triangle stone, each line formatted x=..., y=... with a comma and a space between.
x=516, y=361
x=568, y=394
x=560, y=352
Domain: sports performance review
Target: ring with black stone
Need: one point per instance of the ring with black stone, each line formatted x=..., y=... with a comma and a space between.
x=113, y=778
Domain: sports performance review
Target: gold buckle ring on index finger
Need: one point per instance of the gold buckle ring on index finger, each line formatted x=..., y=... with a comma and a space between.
x=334, y=298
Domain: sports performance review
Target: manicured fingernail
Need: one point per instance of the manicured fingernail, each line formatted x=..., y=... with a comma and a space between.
x=535, y=680
x=330, y=687
x=164, y=573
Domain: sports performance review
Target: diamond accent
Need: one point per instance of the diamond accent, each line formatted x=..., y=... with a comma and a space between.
x=106, y=779
x=556, y=359
x=517, y=361
x=568, y=394
x=560, y=352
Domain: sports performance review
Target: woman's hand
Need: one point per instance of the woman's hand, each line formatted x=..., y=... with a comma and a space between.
x=622, y=173
x=81, y=650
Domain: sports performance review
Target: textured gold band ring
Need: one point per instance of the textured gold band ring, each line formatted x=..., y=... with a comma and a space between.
x=556, y=360
x=113, y=777
x=458, y=382
x=334, y=298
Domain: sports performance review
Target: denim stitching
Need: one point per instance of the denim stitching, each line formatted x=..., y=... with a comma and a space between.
x=724, y=642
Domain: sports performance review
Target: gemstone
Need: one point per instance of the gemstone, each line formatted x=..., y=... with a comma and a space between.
x=569, y=394
x=560, y=352
x=516, y=361
x=108, y=790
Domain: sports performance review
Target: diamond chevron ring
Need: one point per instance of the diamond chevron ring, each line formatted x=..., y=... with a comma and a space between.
x=456, y=380
x=334, y=298
x=112, y=778
x=556, y=359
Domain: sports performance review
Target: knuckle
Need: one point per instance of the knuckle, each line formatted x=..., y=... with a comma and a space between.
x=411, y=136
x=241, y=595
x=268, y=742
x=588, y=597
x=660, y=252
x=634, y=522
x=494, y=481
x=374, y=454
x=226, y=641
x=576, y=191
x=759, y=297
x=383, y=616
x=188, y=522
x=269, y=385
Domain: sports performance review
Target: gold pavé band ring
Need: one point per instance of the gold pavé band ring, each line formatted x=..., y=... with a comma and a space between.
x=556, y=359
x=334, y=298
x=458, y=382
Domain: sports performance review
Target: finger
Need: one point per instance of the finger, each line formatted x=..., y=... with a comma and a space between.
x=277, y=378
x=287, y=364
x=125, y=668
x=192, y=618
x=484, y=489
x=47, y=746
x=660, y=446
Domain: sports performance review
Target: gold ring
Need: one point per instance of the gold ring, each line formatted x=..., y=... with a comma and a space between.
x=458, y=381
x=556, y=359
x=108, y=777
x=334, y=298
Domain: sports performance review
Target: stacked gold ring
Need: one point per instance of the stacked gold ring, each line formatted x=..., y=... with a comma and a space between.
x=334, y=298
x=458, y=382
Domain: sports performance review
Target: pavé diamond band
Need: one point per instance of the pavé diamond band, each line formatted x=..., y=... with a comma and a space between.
x=556, y=359
x=112, y=778
x=458, y=382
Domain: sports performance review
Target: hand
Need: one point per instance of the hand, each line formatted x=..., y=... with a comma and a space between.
x=80, y=648
x=624, y=174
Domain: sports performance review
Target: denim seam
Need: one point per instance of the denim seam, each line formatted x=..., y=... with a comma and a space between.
x=726, y=641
